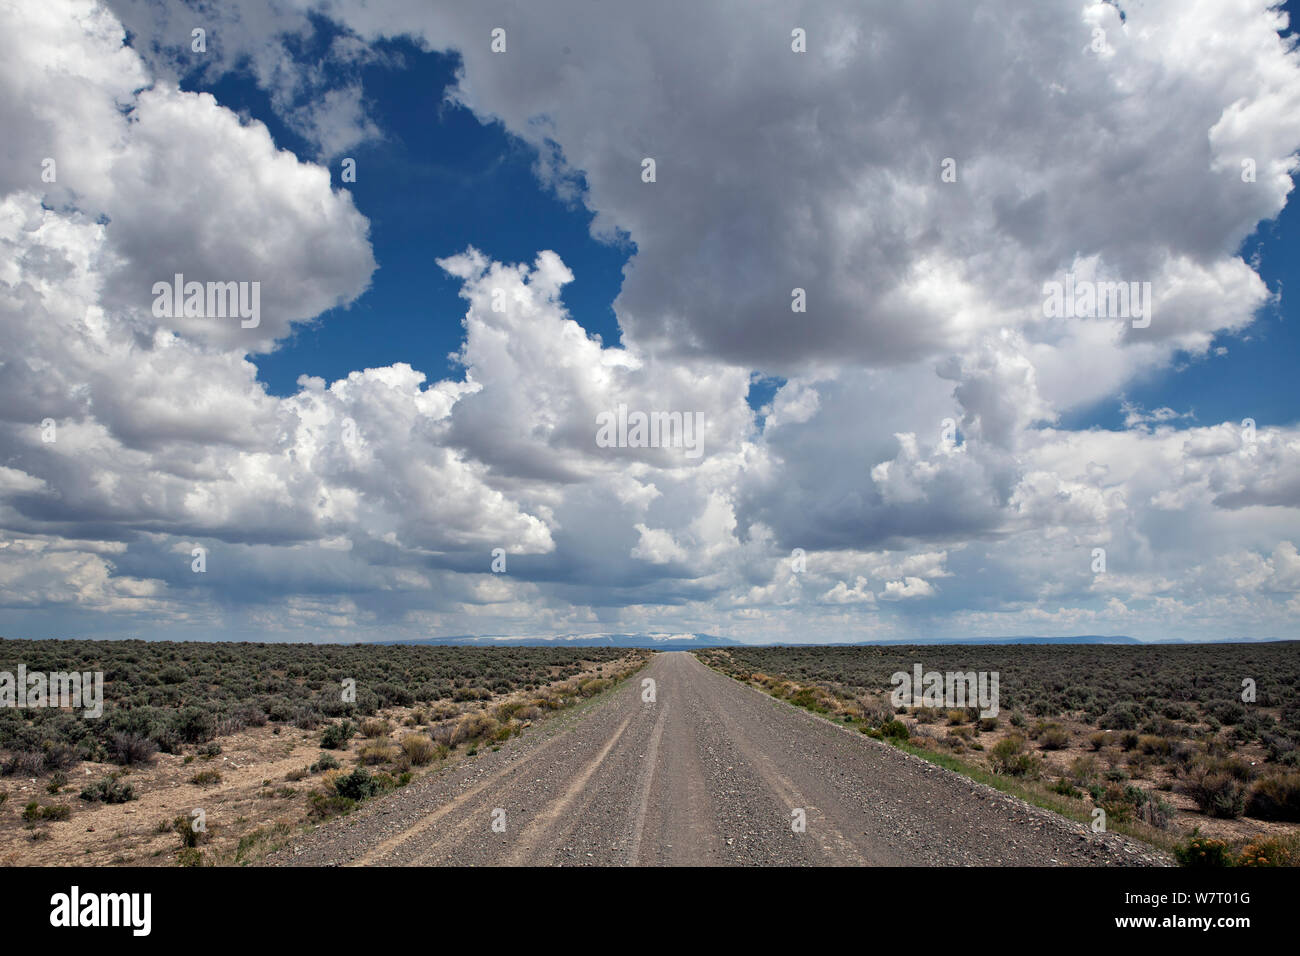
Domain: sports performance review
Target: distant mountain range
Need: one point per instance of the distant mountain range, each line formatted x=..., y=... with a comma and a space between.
x=693, y=641
x=663, y=643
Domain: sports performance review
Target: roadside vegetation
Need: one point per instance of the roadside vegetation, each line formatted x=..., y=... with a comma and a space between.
x=1158, y=738
x=200, y=719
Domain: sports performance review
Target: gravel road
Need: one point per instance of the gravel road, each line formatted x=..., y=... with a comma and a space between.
x=710, y=773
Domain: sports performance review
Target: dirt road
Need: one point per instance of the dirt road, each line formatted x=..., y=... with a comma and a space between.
x=711, y=772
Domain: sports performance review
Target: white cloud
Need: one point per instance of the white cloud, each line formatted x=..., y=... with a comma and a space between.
x=374, y=501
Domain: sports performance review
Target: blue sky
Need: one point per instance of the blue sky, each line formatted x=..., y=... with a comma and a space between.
x=1257, y=372
x=442, y=179
x=919, y=451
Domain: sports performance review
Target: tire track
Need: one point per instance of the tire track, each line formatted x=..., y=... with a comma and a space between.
x=536, y=830
x=643, y=791
x=707, y=775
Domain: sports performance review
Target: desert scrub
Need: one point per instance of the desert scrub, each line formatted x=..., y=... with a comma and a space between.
x=1101, y=738
x=894, y=730
x=1054, y=737
x=1201, y=851
x=323, y=806
x=1271, y=851
x=1275, y=797
x=1084, y=769
x=418, y=748
x=1065, y=788
x=443, y=710
x=35, y=813
x=374, y=752
x=1217, y=785
x=1153, y=811
x=257, y=843
x=510, y=708
x=151, y=689
x=326, y=762
x=206, y=778
x=1154, y=745
x=375, y=727
x=192, y=833
x=356, y=786
x=505, y=731
x=1008, y=758
x=131, y=748
x=108, y=790
x=1119, y=802
x=473, y=727
x=336, y=736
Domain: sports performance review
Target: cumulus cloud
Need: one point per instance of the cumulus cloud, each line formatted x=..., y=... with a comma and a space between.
x=914, y=453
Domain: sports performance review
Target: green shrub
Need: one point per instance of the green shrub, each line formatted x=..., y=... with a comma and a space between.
x=1054, y=738
x=1101, y=738
x=326, y=762
x=336, y=736
x=1120, y=716
x=1083, y=770
x=194, y=725
x=472, y=727
x=1008, y=757
x=1118, y=803
x=1275, y=797
x=326, y=805
x=1065, y=788
x=131, y=748
x=35, y=813
x=358, y=785
x=1217, y=786
x=183, y=827
x=894, y=730
x=108, y=790
x=1200, y=851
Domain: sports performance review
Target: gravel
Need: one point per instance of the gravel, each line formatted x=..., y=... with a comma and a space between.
x=711, y=773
